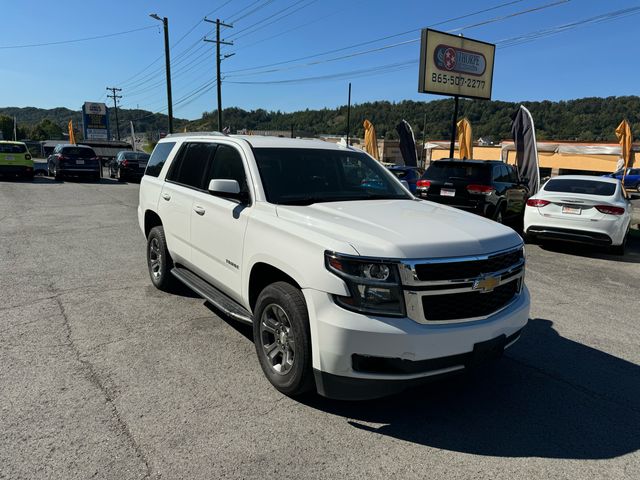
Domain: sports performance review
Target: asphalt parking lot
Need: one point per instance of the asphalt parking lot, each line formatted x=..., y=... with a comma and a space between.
x=103, y=376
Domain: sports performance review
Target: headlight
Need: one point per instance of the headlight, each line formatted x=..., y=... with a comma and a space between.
x=374, y=285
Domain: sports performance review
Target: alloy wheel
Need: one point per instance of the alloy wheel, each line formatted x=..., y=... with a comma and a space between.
x=276, y=338
x=155, y=258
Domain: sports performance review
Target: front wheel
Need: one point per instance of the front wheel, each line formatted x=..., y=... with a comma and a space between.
x=282, y=339
x=159, y=260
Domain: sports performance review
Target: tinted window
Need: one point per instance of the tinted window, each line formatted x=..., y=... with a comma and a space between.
x=443, y=171
x=135, y=156
x=590, y=187
x=158, y=157
x=190, y=166
x=403, y=174
x=635, y=171
x=79, y=152
x=227, y=165
x=12, y=148
x=304, y=176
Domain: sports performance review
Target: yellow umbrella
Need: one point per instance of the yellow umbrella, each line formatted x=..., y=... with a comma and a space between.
x=72, y=138
x=623, y=132
x=465, y=139
x=370, y=140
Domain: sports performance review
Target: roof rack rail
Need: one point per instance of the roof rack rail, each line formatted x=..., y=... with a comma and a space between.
x=199, y=134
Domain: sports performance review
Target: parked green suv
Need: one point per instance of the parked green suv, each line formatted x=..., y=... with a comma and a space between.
x=15, y=160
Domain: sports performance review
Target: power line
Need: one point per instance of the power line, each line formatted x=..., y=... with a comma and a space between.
x=234, y=18
x=384, y=47
x=86, y=39
x=261, y=22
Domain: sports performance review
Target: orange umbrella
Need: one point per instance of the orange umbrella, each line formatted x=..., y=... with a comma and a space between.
x=370, y=140
x=623, y=132
x=465, y=139
x=72, y=137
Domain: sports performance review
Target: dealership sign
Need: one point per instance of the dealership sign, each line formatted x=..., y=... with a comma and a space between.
x=95, y=121
x=455, y=66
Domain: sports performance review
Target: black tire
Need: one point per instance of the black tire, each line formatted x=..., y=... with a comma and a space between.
x=119, y=176
x=499, y=216
x=159, y=260
x=56, y=174
x=296, y=377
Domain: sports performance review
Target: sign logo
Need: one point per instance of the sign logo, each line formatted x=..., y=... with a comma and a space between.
x=486, y=284
x=451, y=59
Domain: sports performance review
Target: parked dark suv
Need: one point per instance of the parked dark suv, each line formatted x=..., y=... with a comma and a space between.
x=488, y=188
x=77, y=160
x=128, y=165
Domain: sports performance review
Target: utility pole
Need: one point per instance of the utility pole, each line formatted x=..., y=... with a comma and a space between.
x=167, y=61
x=219, y=42
x=349, y=114
x=115, y=106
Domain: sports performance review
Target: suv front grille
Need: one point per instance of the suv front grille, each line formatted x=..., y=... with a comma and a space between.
x=460, y=289
x=456, y=306
x=469, y=269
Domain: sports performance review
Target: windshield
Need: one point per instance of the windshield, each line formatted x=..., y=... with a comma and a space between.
x=443, y=171
x=298, y=176
x=589, y=187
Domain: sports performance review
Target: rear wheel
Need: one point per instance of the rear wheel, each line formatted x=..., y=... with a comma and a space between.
x=119, y=175
x=498, y=217
x=57, y=174
x=159, y=260
x=282, y=339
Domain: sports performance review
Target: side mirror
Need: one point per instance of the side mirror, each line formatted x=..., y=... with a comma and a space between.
x=224, y=187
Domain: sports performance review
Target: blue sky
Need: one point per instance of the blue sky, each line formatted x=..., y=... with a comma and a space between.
x=589, y=60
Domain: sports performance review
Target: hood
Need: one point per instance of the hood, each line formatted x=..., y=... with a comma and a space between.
x=403, y=228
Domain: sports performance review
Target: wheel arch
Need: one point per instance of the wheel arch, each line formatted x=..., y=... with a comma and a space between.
x=151, y=219
x=263, y=274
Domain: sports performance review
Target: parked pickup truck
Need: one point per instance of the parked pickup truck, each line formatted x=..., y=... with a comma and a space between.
x=354, y=291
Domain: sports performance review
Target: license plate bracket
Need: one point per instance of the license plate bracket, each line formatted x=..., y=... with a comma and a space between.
x=446, y=192
x=79, y=162
x=486, y=351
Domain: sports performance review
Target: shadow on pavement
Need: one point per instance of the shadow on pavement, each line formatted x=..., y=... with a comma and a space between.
x=549, y=397
x=632, y=253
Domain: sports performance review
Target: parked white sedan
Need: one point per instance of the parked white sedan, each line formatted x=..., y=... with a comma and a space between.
x=582, y=209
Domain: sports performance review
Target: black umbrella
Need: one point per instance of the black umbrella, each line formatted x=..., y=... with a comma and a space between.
x=407, y=144
x=524, y=136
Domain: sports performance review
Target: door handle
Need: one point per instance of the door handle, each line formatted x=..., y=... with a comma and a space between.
x=199, y=210
x=166, y=196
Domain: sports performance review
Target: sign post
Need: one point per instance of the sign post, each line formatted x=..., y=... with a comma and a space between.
x=455, y=66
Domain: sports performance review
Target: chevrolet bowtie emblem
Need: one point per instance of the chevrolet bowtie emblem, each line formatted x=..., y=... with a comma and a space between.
x=486, y=284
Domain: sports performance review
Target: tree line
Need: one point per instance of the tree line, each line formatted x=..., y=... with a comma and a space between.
x=586, y=119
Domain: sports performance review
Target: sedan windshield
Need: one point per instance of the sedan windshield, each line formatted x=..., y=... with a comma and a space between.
x=297, y=176
x=590, y=187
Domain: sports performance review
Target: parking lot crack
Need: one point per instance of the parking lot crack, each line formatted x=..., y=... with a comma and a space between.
x=92, y=375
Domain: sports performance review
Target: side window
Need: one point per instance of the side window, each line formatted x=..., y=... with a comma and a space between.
x=191, y=164
x=228, y=165
x=158, y=157
x=497, y=173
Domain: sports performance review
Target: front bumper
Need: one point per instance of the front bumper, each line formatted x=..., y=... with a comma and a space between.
x=404, y=352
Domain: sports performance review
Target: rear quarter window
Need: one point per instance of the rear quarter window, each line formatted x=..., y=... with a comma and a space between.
x=158, y=158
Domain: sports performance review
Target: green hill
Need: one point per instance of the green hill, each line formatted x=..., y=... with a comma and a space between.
x=585, y=119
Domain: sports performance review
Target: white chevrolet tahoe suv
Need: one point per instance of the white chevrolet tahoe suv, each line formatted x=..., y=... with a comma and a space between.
x=353, y=286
